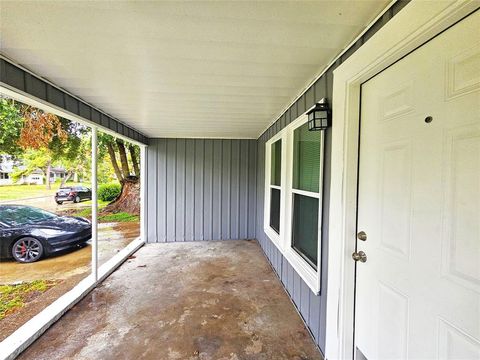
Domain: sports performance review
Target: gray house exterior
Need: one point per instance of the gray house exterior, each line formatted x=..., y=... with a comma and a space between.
x=213, y=189
x=201, y=189
x=207, y=188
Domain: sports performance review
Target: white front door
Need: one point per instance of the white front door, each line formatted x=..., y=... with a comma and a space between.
x=418, y=293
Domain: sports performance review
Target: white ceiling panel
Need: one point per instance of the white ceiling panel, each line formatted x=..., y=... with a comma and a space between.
x=183, y=69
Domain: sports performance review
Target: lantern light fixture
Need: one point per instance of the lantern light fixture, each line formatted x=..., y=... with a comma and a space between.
x=319, y=116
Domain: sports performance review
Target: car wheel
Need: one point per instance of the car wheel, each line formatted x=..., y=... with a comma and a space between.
x=59, y=202
x=27, y=250
x=77, y=199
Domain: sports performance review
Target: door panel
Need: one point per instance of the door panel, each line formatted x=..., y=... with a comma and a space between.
x=418, y=294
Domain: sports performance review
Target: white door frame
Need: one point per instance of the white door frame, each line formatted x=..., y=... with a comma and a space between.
x=414, y=25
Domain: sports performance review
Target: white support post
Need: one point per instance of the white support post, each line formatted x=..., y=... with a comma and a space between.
x=94, y=205
x=143, y=188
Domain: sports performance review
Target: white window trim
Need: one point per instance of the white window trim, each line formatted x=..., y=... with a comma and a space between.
x=272, y=234
x=283, y=240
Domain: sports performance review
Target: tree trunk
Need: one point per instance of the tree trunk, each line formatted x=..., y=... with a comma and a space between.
x=133, y=155
x=123, y=158
x=49, y=167
x=113, y=159
x=129, y=199
x=66, y=178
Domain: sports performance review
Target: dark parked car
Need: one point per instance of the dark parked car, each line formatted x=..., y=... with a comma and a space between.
x=28, y=233
x=73, y=193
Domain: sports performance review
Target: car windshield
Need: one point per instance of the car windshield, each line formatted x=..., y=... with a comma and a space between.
x=23, y=215
x=66, y=188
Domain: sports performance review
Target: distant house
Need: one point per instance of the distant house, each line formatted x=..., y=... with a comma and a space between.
x=57, y=173
x=7, y=167
x=5, y=174
x=34, y=178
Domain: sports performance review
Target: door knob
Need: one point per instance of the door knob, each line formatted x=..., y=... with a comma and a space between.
x=362, y=235
x=359, y=256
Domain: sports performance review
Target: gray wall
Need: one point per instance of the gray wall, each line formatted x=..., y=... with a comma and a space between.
x=201, y=189
x=312, y=308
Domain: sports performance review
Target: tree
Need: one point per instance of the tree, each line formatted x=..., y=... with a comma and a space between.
x=33, y=159
x=11, y=122
x=45, y=132
x=76, y=158
x=127, y=172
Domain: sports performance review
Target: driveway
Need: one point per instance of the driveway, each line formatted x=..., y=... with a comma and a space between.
x=112, y=237
x=46, y=203
x=67, y=269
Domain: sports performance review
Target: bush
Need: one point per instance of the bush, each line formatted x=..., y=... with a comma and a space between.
x=109, y=191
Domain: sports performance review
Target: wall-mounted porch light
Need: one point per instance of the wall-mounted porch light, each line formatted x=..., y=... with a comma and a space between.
x=319, y=116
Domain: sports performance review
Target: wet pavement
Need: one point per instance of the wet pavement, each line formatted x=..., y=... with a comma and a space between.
x=112, y=237
x=197, y=300
x=70, y=268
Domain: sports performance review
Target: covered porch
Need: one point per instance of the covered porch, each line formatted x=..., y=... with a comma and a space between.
x=249, y=117
x=191, y=300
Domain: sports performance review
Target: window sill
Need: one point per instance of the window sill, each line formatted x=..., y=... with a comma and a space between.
x=273, y=237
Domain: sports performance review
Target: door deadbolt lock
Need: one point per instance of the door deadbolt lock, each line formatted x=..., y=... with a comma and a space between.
x=359, y=256
x=362, y=235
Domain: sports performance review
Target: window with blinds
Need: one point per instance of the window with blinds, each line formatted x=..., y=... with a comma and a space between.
x=305, y=192
x=293, y=197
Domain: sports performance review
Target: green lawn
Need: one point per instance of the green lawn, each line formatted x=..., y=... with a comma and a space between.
x=119, y=217
x=14, y=297
x=18, y=192
x=87, y=211
x=116, y=217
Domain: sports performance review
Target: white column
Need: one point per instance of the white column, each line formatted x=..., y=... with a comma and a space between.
x=94, y=205
x=143, y=188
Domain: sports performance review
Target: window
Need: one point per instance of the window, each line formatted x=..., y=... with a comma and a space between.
x=275, y=184
x=305, y=189
x=293, y=187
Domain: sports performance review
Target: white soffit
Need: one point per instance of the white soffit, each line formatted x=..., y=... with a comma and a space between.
x=183, y=69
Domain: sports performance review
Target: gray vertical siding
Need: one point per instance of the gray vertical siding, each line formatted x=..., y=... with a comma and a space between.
x=311, y=307
x=201, y=189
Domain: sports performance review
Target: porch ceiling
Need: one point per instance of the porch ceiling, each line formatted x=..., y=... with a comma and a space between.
x=183, y=69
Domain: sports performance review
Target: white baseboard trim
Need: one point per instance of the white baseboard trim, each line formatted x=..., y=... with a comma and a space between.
x=17, y=342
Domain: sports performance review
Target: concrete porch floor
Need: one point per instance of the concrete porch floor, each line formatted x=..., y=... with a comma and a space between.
x=195, y=300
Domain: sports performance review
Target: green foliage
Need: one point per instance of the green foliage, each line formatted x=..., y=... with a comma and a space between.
x=104, y=140
x=105, y=171
x=87, y=211
x=109, y=191
x=78, y=157
x=11, y=122
x=14, y=297
x=72, y=150
x=119, y=217
x=32, y=159
x=17, y=192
